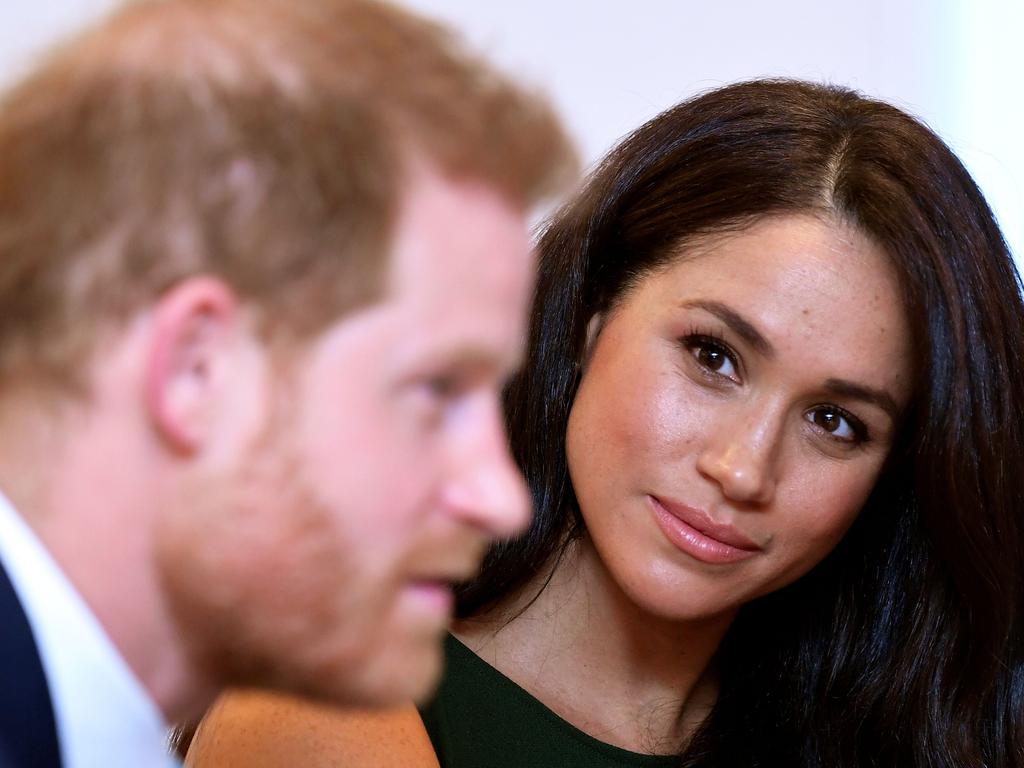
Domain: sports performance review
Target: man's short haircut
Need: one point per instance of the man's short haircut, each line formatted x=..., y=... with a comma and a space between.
x=263, y=141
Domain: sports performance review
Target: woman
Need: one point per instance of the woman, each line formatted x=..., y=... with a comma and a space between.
x=770, y=415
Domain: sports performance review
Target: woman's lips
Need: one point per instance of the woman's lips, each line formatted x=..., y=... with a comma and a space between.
x=696, y=534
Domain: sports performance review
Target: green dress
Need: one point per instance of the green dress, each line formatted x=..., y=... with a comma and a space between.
x=481, y=719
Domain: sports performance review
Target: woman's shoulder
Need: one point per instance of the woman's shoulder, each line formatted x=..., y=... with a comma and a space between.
x=263, y=730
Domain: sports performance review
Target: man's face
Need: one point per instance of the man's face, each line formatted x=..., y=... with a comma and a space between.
x=376, y=473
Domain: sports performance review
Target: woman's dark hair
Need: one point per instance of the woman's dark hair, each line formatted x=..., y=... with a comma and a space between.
x=904, y=646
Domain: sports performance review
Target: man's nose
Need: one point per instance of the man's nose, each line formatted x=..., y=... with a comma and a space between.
x=486, y=488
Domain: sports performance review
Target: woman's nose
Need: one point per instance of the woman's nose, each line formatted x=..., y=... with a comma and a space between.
x=740, y=457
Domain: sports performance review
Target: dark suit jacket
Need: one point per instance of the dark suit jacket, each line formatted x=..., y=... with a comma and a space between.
x=28, y=733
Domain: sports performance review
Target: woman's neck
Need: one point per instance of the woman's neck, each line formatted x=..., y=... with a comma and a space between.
x=593, y=656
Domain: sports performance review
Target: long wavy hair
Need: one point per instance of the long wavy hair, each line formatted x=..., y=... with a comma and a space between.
x=904, y=646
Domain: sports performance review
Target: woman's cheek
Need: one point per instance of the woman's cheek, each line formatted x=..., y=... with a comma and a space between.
x=815, y=514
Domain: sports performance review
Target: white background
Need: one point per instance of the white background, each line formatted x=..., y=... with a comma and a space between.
x=609, y=66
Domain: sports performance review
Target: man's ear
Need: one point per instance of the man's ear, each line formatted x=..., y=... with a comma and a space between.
x=194, y=325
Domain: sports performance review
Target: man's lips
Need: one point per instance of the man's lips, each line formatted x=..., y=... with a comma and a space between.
x=696, y=533
x=438, y=596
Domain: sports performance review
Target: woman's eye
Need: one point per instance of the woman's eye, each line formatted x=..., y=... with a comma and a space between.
x=713, y=357
x=838, y=424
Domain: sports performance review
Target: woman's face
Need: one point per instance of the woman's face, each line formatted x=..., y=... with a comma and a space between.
x=735, y=411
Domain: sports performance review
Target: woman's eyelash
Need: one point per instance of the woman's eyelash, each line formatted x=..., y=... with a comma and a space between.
x=859, y=428
x=709, y=340
x=700, y=342
x=711, y=335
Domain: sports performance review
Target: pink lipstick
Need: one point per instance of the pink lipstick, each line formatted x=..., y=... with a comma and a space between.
x=695, y=533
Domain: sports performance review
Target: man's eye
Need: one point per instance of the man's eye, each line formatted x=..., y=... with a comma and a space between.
x=442, y=387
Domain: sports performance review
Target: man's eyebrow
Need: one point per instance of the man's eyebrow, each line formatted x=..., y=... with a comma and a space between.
x=878, y=397
x=739, y=324
x=473, y=360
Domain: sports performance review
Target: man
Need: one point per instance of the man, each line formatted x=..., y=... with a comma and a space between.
x=263, y=269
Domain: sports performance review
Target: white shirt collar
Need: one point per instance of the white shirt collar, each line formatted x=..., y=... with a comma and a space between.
x=104, y=715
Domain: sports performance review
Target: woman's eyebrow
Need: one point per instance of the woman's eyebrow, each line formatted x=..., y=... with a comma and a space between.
x=878, y=397
x=749, y=333
x=739, y=324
